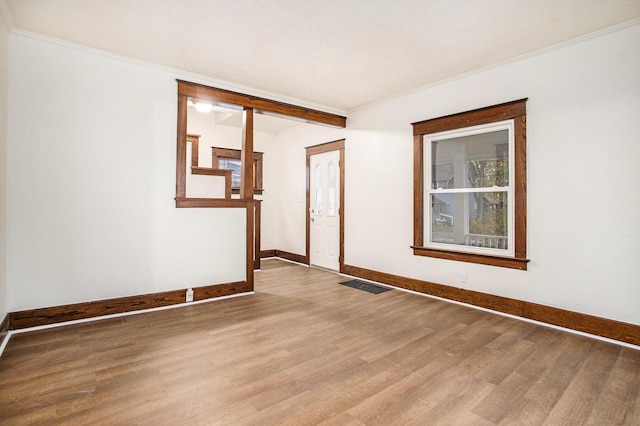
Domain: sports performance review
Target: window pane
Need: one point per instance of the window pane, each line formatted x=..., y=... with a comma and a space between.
x=331, y=208
x=475, y=161
x=471, y=219
x=318, y=189
x=234, y=166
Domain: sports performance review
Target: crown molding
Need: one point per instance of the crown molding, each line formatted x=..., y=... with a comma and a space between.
x=180, y=74
x=518, y=58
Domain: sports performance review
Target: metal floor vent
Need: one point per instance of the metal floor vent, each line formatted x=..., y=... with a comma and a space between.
x=365, y=286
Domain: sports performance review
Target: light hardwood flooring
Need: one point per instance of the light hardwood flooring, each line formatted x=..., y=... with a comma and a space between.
x=304, y=350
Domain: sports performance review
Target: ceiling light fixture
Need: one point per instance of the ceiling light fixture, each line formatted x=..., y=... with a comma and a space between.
x=203, y=107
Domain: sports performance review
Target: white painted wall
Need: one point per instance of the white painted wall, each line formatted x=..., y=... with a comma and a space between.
x=4, y=122
x=91, y=181
x=291, y=205
x=91, y=214
x=223, y=136
x=583, y=154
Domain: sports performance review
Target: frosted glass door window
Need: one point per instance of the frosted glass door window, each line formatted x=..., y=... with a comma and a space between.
x=318, y=206
x=331, y=208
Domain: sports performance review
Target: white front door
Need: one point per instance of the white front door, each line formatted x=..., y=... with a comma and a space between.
x=324, y=211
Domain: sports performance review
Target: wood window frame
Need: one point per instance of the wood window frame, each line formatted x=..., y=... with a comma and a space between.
x=516, y=111
x=218, y=154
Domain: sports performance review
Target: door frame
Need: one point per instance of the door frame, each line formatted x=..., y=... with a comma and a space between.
x=319, y=149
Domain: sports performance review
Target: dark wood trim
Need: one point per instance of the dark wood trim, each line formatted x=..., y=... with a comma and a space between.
x=342, y=209
x=258, y=233
x=257, y=174
x=255, y=191
x=181, y=149
x=325, y=147
x=195, y=148
x=520, y=186
x=208, y=171
x=230, y=153
x=604, y=327
x=246, y=155
x=185, y=90
x=505, y=111
x=439, y=290
x=250, y=243
x=259, y=104
x=292, y=256
x=307, y=211
x=267, y=253
x=483, y=259
x=78, y=311
x=219, y=290
x=298, y=258
x=515, y=110
x=418, y=191
x=210, y=202
x=4, y=328
x=337, y=145
x=225, y=153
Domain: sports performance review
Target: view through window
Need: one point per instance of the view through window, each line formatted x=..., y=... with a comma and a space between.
x=470, y=186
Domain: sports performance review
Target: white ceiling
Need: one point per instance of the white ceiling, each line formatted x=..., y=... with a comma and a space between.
x=336, y=55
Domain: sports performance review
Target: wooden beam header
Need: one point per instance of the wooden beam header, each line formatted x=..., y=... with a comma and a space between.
x=485, y=115
x=213, y=94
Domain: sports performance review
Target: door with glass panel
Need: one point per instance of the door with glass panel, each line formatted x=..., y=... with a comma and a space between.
x=324, y=210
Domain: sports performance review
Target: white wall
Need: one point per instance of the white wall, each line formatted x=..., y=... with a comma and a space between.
x=91, y=181
x=92, y=147
x=583, y=133
x=4, y=95
x=292, y=187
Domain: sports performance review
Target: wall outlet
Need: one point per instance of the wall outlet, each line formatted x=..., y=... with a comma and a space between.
x=463, y=277
x=190, y=295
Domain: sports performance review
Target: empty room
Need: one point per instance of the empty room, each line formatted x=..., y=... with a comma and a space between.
x=387, y=212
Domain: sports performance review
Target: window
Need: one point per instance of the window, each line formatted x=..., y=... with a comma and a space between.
x=318, y=190
x=331, y=208
x=223, y=158
x=469, y=186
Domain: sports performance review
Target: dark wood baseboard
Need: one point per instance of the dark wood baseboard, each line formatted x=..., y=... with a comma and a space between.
x=267, y=253
x=292, y=256
x=604, y=327
x=298, y=258
x=4, y=329
x=77, y=311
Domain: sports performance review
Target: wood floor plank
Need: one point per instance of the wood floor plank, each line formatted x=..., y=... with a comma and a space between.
x=619, y=400
x=588, y=381
x=305, y=350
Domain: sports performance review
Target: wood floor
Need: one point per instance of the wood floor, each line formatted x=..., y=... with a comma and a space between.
x=305, y=350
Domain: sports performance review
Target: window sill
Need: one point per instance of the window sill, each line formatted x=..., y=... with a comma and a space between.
x=183, y=202
x=504, y=262
x=255, y=191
